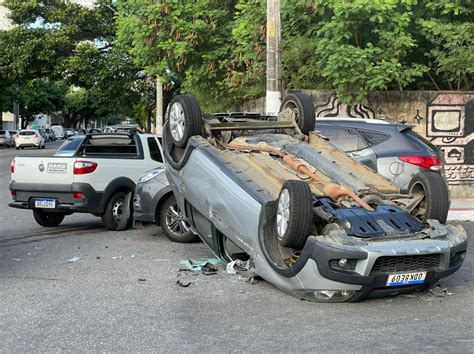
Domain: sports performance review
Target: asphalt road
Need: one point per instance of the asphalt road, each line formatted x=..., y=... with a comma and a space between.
x=122, y=296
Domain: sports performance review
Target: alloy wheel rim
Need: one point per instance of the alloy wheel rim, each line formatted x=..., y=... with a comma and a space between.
x=175, y=221
x=177, y=121
x=283, y=213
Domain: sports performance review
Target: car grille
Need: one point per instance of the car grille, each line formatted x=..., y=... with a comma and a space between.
x=396, y=264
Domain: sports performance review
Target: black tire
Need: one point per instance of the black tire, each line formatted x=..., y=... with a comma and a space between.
x=16, y=147
x=173, y=225
x=299, y=208
x=111, y=215
x=48, y=219
x=187, y=108
x=303, y=107
x=435, y=205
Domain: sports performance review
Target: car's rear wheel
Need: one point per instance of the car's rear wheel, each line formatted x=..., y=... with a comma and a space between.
x=114, y=212
x=173, y=223
x=432, y=191
x=184, y=119
x=294, y=215
x=301, y=105
x=48, y=218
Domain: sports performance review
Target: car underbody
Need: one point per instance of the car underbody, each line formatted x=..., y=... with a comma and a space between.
x=362, y=237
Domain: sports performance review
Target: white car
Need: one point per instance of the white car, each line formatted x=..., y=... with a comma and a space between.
x=58, y=131
x=96, y=174
x=29, y=138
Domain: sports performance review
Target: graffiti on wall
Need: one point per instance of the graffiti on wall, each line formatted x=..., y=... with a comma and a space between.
x=450, y=125
x=332, y=108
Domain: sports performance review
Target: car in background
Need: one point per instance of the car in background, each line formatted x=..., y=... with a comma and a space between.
x=58, y=131
x=29, y=138
x=43, y=134
x=6, y=139
x=70, y=146
x=68, y=132
x=50, y=134
x=396, y=152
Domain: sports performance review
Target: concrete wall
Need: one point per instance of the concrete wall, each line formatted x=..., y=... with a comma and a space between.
x=446, y=119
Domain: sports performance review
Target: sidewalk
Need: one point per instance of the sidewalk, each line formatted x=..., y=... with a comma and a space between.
x=462, y=209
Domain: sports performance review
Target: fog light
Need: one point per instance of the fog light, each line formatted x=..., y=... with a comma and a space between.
x=342, y=263
x=326, y=295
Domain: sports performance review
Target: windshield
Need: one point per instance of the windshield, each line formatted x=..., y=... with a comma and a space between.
x=71, y=144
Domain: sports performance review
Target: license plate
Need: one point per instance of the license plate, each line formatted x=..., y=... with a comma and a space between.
x=45, y=203
x=57, y=168
x=406, y=279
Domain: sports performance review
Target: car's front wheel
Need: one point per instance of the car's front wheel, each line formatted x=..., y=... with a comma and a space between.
x=294, y=216
x=48, y=218
x=173, y=223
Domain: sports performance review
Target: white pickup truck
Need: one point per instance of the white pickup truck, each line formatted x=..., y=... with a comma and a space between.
x=98, y=178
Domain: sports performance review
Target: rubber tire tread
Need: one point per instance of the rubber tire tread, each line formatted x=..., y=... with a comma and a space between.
x=306, y=110
x=301, y=214
x=192, y=118
x=107, y=217
x=48, y=219
x=437, y=195
x=189, y=237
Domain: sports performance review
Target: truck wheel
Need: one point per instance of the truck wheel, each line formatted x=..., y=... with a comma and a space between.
x=47, y=219
x=114, y=212
x=185, y=119
x=435, y=202
x=302, y=106
x=294, y=216
x=173, y=222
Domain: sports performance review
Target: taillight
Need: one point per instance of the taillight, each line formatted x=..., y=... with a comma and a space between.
x=37, y=135
x=78, y=195
x=428, y=162
x=12, y=193
x=84, y=167
x=12, y=166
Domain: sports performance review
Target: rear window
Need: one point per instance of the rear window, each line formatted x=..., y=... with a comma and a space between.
x=27, y=132
x=410, y=133
x=111, y=146
x=2, y=132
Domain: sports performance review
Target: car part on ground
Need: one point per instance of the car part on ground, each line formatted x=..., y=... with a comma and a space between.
x=236, y=183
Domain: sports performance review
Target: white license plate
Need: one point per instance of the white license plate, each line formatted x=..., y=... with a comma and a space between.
x=45, y=203
x=57, y=168
x=406, y=279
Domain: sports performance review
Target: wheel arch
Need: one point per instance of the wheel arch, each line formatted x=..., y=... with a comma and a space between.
x=120, y=184
x=160, y=200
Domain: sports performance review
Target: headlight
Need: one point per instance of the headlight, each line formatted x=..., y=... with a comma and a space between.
x=149, y=175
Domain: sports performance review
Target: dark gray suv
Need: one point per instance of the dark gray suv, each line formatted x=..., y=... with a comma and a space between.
x=396, y=152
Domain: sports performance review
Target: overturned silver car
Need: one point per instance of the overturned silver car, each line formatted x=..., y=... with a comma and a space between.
x=310, y=219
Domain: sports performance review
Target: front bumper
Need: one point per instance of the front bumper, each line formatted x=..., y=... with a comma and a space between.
x=26, y=193
x=448, y=244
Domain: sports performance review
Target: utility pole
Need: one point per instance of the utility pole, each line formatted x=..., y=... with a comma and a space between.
x=274, y=81
x=159, y=107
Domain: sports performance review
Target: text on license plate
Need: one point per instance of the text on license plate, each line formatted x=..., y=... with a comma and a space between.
x=406, y=279
x=45, y=203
